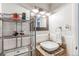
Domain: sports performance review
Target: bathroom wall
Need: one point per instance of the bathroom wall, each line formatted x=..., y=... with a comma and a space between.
x=41, y=36
x=65, y=16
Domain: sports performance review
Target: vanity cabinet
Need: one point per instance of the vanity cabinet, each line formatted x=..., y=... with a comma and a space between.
x=41, y=52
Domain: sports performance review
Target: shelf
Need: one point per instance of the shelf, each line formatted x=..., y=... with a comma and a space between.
x=18, y=51
x=9, y=14
x=22, y=53
x=15, y=49
x=10, y=20
x=8, y=37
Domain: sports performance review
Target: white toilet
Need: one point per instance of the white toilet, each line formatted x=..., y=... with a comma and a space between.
x=56, y=41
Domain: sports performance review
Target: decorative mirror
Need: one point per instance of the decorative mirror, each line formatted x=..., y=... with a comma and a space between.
x=41, y=23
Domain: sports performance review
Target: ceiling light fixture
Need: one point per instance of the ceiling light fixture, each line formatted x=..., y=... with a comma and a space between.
x=42, y=12
x=38, y=15
x=32, y=14
x=48, y=14
x=43, y=16
x=35, y=9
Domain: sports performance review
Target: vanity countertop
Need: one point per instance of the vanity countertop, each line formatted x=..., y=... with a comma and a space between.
x=57, y=52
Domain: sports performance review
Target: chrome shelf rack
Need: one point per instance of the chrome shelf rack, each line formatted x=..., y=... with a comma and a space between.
x=31, y=34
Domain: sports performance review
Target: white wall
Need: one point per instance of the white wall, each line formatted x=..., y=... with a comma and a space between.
x=65, y=16
x=41, y=36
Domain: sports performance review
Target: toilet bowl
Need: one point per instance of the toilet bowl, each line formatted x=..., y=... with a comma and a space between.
x=49, y=46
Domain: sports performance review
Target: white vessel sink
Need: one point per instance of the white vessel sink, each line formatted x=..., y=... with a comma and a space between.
x=49, y=46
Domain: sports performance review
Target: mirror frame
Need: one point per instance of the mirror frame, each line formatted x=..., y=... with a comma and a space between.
x=33, y=21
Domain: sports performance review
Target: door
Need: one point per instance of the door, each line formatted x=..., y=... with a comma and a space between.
x=76, y=29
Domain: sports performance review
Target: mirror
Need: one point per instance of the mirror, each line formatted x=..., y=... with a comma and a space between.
x=41, y=22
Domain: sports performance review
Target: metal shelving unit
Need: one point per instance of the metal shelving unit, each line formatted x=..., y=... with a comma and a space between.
x=30, y=34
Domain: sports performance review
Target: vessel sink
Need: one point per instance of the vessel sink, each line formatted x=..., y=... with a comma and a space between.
x=49, y=46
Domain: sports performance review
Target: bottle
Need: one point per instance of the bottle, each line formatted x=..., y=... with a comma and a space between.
x=23, y=16
x=21, y=32
x=15, y=33
x=15, y=17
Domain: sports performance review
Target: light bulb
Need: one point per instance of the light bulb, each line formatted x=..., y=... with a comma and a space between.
x=35, y=10
x=38, y=15
x=42, y=12
x=32, y=14
x=48, y=14
x=43, y=16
